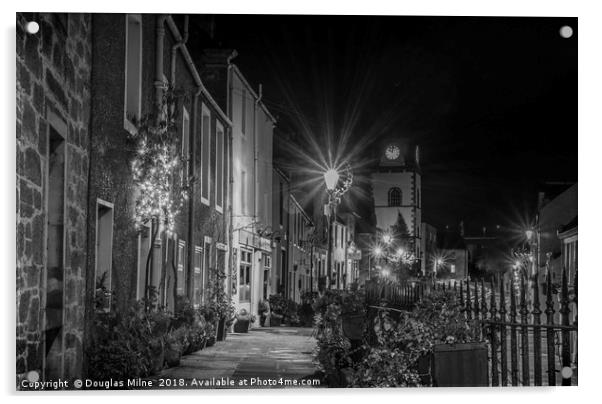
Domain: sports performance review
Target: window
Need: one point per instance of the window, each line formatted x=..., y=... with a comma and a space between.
x=243, y=118
x=267, y=263
x=395, y=197
x=244, y=277
x=205, y=153
x=336, y=235
x=144, y=247
x=281, y=203
x=133, y=71
x=452, y=268
x=207, y=250
x=198, y=276
x=219, y=167
x=104, y=246
x=181, y=285
x=243, y=191
x=185, y=146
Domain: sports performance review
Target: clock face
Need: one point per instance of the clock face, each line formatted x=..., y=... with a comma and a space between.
x=392, y=152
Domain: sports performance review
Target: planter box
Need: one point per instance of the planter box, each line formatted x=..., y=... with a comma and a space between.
x=241, y=326
x=460, y=365
x=354, y=325
x=275, y=320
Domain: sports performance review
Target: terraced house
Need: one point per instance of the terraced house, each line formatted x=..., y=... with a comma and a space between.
x=93, y=93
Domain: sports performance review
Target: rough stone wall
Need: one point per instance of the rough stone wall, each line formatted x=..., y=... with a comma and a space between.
x=53, y=74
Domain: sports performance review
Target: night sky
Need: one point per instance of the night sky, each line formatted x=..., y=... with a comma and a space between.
x=491, y=101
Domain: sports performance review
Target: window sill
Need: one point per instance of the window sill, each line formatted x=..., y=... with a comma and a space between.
x=204, y=201
x=130, y=127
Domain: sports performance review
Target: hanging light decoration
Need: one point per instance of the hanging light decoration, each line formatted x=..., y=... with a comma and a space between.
x=155, y=167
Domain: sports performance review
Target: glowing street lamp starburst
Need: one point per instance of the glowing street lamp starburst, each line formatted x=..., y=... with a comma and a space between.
x=331, y=177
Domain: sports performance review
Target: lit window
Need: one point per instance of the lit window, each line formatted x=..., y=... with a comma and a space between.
x=452, y=268
x=133, y=71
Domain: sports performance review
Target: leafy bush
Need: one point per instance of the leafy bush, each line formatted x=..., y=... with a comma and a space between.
x=444, y=314
x=122, y=345
x=278, y=304
x=401, y=345
x=263, y=307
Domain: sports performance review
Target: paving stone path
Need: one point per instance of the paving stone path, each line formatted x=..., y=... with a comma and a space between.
x=271, y=357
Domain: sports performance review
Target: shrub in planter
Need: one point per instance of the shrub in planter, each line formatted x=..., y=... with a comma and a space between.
x=278, y=304
x=242, y=322
x=196, y=338
x=122, y=345
x=157, y=349
x=290, y=316
x=275, y=319
x=176, y=343
x=210, y=332
x=184, y=313
x=264, y=310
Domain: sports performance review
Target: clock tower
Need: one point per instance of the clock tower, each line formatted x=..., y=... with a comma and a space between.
x=396, y=190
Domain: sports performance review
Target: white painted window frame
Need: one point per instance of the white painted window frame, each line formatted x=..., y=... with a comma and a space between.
x=205, y=176
x=127, y=124
x=140, y=259
x=111, y=206
x=219, y=128
x=185, y=141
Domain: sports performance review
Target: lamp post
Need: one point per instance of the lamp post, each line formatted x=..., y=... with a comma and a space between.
x=336, y=186
x=331, y=177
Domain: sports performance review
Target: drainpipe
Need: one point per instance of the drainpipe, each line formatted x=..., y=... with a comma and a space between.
x=255, y=152
x=191, y=181
x=159, y=87
x=230, y=175
x=174, y=50
x=159, y=84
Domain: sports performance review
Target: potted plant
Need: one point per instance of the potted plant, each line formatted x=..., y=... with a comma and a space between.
x=220, y=303
x=242, y=322
x=353, y=315
x=210, y=334
x=456, y=341
x=159, y=322
x=173, y=348
x=264, y=310
x=278, y=305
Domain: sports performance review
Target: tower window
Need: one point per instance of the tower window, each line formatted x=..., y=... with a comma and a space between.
x=395, y=197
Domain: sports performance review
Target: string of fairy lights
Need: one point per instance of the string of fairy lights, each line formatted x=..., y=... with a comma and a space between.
x=160, y=195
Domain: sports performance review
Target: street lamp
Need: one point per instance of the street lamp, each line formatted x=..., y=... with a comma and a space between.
x=336, y=189
x=331, y=177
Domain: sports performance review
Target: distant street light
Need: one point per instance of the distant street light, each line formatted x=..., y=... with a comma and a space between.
x=378, y=251
x=387, y=238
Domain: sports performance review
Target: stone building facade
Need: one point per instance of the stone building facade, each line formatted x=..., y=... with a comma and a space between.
x=252, y=138
x=53, y=115
x=76, y=195
x=141, y=57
